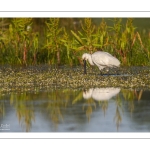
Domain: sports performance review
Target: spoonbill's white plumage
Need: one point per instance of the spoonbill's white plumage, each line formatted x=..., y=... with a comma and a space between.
x=101, y=94
x=101, y=60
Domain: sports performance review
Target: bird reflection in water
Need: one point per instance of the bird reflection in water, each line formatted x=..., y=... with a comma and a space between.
x=102, y=95
x=58, y=103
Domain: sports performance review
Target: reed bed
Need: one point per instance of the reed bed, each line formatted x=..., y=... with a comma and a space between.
x=21, y=43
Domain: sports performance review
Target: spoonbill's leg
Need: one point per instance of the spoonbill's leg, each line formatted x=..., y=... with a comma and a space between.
x=101, y=73
x=104, y=71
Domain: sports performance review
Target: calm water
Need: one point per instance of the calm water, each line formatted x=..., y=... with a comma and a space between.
x=66, y=110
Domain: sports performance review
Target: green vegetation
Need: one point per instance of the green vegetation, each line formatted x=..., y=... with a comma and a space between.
x=53, y=42
x=22, y=43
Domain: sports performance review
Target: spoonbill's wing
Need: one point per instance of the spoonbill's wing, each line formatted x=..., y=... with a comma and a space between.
x=104, y=59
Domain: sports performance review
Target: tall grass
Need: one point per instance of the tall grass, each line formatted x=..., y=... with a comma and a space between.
x=20, y=44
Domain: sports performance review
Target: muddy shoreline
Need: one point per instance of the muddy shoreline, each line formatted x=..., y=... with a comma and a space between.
x=35, y=78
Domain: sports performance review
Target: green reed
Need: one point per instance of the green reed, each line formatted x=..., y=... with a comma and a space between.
x=20, y=44
x=121, y=40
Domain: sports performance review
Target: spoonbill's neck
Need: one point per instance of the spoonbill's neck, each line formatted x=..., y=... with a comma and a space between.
x=89, y=58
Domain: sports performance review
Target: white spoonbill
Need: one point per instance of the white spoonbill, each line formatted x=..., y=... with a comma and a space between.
x=101, y=60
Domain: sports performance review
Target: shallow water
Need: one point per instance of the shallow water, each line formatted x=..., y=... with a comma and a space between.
x=80, y=110
x=35, y=106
